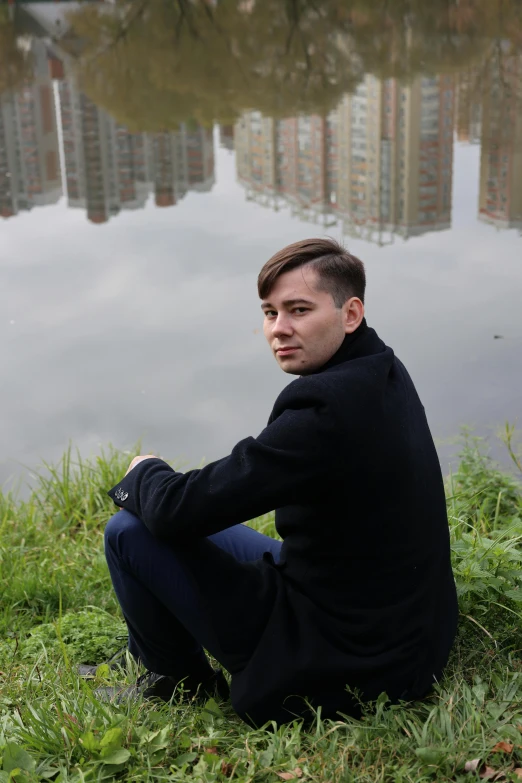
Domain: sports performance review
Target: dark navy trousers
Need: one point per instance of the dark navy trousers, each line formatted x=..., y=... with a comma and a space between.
x=158, y=591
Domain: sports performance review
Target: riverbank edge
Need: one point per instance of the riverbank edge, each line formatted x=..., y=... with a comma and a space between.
x=57, y=608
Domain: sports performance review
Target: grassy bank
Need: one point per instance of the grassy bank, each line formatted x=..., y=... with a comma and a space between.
x=57, y=609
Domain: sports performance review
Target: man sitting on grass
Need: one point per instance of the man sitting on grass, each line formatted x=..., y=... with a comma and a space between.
x=359, y=597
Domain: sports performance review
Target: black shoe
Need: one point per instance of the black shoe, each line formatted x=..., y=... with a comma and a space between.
x=149, y=686
x=160, y=686
x=116, y=661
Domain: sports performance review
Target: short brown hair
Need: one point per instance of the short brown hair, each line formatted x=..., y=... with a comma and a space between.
x=340, y=273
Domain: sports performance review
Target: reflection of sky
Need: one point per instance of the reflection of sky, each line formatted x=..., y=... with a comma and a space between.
x=146, y=326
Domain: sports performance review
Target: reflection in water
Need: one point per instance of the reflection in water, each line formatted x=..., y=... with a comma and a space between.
x=489, y=113
x=226, y=136
x=386, y=120
x=501, y=152
x=109, y=169
x=29, y=154
x=380, y=162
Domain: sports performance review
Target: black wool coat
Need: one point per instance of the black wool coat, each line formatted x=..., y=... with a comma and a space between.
x=364, y=594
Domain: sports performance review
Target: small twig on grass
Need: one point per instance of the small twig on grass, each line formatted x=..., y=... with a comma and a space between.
x=469, y=617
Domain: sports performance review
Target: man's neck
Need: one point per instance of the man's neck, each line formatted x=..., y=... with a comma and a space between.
x=348, y=347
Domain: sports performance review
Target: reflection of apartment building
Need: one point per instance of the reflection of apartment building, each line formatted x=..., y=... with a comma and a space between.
x=198, y=151
x=180, y=161
x=109, y=169
x=302, y=156
x=29, y=154
x=169, y=176
x=500, y=197
x=425, y=169
x=106, y=168
x=256, y=157
x=254, y=139
x=395, y=157
x=367, y=144
x=287, y=161
x=105, y=165
x=381, y=162
x=468, y=106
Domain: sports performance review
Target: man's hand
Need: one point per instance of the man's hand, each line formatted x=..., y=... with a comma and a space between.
x=137, y=460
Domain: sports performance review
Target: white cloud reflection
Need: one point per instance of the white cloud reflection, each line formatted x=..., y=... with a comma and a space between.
x=145, y=326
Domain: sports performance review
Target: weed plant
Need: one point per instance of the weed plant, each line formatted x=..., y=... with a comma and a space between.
x=58, y=609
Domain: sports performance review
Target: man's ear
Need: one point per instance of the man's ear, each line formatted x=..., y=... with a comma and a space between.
x=353, y=313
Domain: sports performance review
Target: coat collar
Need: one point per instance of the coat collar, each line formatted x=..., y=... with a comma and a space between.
x=363, y=342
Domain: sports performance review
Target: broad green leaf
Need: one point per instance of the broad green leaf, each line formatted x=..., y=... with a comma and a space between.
x=147, y=737
x=266, y=757
x=431, y=755
x=89, y=741
x=200, y=769
x=119, y=756
x=184, y=758
x=112, y=739
x=48, y=773
x=156, y=740
x=515, y=595
x=184, y=741
x=162, y=739
x=16, y=757
x=156, y=756
x=211, y=711
x=496, y=710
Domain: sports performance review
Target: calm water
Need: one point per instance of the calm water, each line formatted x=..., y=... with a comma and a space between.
x=151, y=160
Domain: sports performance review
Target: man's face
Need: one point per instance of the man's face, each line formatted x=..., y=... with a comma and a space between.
x=303, y=326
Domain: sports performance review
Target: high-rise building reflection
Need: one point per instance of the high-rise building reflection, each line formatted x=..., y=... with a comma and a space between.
x=286, y=162
x=108, y=168
x=468, y=105
x=381, y=162
x=396, y=158
x=500, y=199
x=105, y=165
x=180, y=161
x=29, y=151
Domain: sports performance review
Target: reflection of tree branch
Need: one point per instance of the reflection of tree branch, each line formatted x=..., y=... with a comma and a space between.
x=179, y=27
x=182, y=5
x=122, y=34
x=211, y=16
x=214, y=60
x=291, y=31
x=317, y=10
x=296, y=16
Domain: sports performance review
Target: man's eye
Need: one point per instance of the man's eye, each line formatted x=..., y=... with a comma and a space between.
x=301, y=310
x=270, y=313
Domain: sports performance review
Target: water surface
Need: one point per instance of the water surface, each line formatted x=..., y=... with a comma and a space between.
x=151, y=160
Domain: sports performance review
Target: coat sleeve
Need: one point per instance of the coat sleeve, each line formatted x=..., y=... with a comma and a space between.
x=295, y=456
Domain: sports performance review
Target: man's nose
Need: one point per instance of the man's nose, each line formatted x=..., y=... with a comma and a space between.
x=282, y=325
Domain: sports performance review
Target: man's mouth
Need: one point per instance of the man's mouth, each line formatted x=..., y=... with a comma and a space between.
x=286, y=351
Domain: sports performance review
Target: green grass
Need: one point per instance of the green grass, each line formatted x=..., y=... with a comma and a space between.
x=57, y=609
